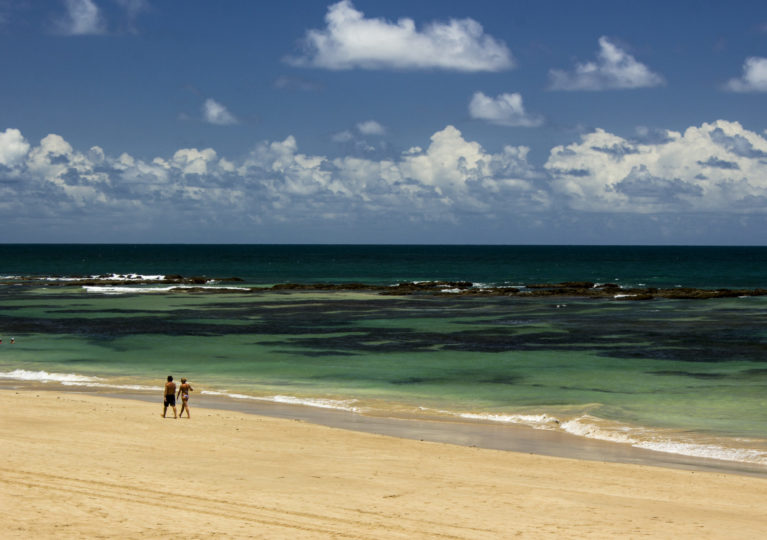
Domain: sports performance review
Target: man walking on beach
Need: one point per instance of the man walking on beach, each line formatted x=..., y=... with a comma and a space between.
x=183, y=391
x=169, y=397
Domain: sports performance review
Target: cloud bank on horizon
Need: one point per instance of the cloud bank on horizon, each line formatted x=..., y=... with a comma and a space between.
x=717, y=167
x=705, y=182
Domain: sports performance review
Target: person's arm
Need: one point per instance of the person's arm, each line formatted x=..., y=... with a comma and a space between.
x=179, y=392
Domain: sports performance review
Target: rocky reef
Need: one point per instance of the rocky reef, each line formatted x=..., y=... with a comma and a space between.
x=583, y=289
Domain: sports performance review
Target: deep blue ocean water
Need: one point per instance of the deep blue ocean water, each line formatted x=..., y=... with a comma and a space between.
x=665, y=266
x=683, y=376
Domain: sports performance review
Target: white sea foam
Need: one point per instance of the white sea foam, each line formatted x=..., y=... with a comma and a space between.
x=69, y=379
x=106, y=277
x=595, y=428
x=44, y=376
x=99, y=289
x=538, y=421
x=134, y=277
x=344, y=405
x=126, y=289
x=711, y=451
x=588, y=426
x=140, y=387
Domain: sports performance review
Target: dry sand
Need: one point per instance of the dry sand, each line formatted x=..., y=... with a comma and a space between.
x=83, y=466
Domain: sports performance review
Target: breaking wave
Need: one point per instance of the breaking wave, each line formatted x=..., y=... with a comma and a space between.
x=639, y=437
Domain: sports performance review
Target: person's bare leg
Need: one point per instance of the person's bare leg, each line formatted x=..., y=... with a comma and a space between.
x=164, y=410
x=175, y=415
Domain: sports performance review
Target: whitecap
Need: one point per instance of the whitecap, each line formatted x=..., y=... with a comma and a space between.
x=710, y=451
x=538, y=421
x=125, y=289
x=44, y=376
x=593, y=428
x=344, y=405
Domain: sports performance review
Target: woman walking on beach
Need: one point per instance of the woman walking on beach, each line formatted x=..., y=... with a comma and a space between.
x=183, y=391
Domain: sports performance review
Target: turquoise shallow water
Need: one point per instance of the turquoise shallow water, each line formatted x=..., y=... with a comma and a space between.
x=673, y=375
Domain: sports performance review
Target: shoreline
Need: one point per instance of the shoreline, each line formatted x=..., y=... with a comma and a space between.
x=461, y=432
x=80, y=465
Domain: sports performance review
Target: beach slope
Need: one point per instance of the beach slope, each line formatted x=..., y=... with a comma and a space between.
x=83, y=466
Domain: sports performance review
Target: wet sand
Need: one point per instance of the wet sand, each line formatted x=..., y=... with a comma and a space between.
x=474, y=433
x=80, y=465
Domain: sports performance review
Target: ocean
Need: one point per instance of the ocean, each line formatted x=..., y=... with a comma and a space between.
x=678, y=376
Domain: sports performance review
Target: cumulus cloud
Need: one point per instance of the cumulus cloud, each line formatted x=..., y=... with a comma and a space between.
x=83, y=17
x=343, y=136
x=613, y=69
x=754, y=78
x=504, y=109
x=214, y=112
x=717, y=167
x=13, y=147
x=350, y=40
x=194, y=161
x=274, y=183
x=371, y=127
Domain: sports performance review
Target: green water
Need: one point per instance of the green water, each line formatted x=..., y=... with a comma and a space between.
x=679, y=364
x=676, y=375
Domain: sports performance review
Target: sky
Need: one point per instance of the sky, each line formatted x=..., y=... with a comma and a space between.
x=370, y=122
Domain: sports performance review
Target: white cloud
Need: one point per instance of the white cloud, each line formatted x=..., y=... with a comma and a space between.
x=54, y=169
x=83, y=17
x=371, y=127
x=754, y=77
x=215, y=113
x=275, y=183
x=504, y=109
x=193, y=161
x=13, y=147
x=343, y=136
x=717, y=167
x=352, y=41
x=464, y=175
x=614, y=69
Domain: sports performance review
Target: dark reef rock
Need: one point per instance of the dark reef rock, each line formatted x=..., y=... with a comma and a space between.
x=580, y=289
x=563, y=285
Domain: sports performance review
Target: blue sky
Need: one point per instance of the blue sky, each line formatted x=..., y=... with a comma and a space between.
x=487, y=122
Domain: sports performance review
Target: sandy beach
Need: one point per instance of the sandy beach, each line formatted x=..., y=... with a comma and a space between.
x=84, y=466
